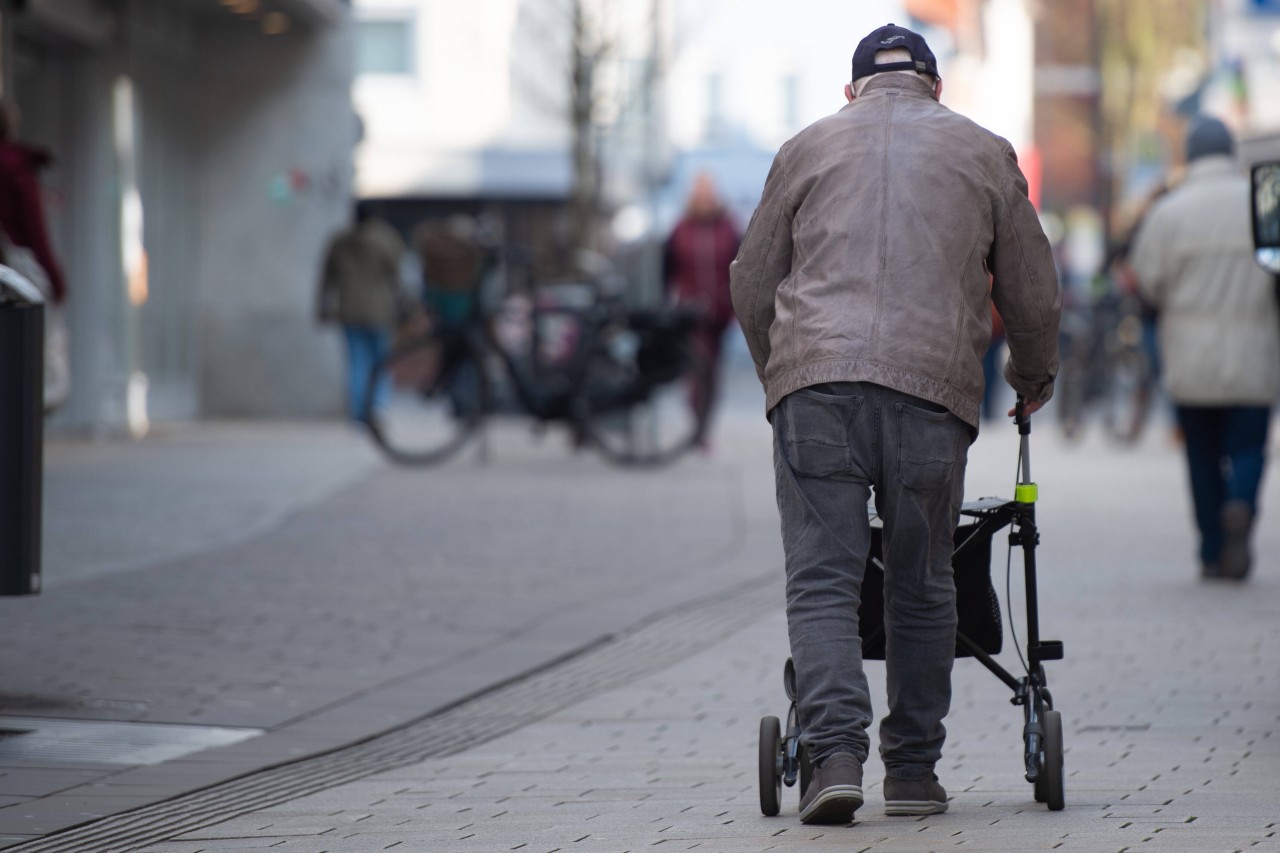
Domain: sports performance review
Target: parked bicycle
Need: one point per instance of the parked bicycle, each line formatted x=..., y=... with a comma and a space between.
x=623, y=379
x=1105, y=368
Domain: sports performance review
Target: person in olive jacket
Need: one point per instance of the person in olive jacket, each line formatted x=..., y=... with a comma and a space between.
x=360, y=290
x=864, y=286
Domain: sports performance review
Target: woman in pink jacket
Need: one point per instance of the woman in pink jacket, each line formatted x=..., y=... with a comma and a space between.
x=695, y=268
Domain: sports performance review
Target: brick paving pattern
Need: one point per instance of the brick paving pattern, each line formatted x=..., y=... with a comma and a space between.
x=1170, y=694
x=374, y=603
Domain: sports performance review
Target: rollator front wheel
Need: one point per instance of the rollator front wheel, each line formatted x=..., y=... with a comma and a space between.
x=770, y=772
x=1051, y=782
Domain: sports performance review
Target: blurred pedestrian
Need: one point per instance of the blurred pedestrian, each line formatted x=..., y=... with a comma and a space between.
x=862, y=286
x=452, y=257
x=22, y=228
x=22, y=214
x=1219, y=340
x=695, y=269
x=360, y=290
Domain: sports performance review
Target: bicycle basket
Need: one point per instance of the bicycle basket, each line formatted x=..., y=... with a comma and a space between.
x=664, y=340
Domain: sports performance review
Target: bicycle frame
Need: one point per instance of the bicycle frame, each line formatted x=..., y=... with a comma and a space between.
x=542, y=398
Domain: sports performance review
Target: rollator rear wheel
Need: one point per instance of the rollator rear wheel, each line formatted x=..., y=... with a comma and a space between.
x=1051, y=783
x=770, y=758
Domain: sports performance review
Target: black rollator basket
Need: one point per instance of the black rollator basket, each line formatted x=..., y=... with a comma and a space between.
x=977, y=604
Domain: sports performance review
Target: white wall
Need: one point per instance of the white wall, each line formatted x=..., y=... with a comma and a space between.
x=754, y=46
x=419, y=127
x=489, y=79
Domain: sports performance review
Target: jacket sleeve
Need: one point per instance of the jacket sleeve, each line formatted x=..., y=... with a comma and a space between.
x=1148, y=258
x=33, y=234
x=763, y=262
x=1025, y=289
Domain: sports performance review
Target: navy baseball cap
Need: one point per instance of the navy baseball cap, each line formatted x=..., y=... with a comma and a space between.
x=888, y=37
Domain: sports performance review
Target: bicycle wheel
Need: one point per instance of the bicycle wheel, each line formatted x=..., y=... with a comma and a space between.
x=1128, y=398
x=426, y=398
x=639, y=416
x=1069, y=398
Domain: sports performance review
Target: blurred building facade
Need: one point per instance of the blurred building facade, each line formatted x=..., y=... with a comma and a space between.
x=468, y=109
x=203, y=157
x=746, y=76
x=479, y=108
x=1116, y=82
x=1244, y=45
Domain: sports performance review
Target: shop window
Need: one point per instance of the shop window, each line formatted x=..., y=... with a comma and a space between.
x=384, y=46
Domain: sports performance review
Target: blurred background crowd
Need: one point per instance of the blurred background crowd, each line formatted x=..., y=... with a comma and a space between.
x=196, y=158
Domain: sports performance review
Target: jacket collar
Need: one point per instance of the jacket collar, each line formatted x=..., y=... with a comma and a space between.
x=910, y=83
x=1212, y=166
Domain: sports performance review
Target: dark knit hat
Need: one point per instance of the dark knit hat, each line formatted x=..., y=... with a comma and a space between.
x=1206, y=135
x=889, y=37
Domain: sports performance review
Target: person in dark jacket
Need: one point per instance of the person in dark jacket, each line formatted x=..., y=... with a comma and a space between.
x=695, y=268
x=22, y=215
x=360, y=290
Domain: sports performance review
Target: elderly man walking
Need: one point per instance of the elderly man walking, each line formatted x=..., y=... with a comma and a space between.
x=1219, y=340
x=862, y=286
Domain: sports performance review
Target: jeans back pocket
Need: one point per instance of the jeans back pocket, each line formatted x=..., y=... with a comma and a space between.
x=817, y=431
x=928, y=447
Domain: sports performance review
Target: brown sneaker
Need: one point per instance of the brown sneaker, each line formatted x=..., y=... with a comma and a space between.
x=914, y=796
x=1237, y=523
x=835, y=792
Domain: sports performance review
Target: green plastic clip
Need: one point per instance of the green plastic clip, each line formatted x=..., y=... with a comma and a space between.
x=1026, y=493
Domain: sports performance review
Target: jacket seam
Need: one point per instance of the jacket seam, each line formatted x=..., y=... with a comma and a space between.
x=883, y=239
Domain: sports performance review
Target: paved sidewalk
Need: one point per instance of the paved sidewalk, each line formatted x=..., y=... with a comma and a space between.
x=282, y=586
x=187, y=489
x=1170, y=694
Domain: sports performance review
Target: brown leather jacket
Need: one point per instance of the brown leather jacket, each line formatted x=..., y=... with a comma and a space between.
x=882, y=233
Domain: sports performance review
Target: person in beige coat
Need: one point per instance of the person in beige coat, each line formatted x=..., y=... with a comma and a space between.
x=360, y=291
x=1219, y=329
x=863, y=286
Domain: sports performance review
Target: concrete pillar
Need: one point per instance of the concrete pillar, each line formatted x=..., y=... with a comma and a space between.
x=277, y=131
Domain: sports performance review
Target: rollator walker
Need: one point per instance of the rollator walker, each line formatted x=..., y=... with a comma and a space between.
x=784, y=759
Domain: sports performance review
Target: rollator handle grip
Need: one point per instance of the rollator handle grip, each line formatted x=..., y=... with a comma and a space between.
x=1022, y=420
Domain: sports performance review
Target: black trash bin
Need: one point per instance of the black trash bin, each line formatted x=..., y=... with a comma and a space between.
x=21, y=433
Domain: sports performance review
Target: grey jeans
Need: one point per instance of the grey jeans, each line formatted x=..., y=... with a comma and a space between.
x=834, y=444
